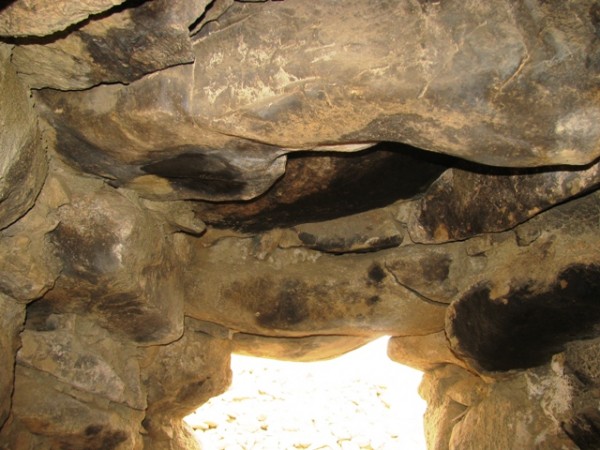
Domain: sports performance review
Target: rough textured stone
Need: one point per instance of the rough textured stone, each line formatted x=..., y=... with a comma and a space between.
x=422, y=352
x=316, y=294
x=121, y=47
x=180, y=377
x=293, y=179
x=370, y=231
x=24, y=17
x=109, y=270
x=48, y=418
x=457, y=78
x=29, y=266
x=174, y=160
x=463, y=203
x=12, y=316
x=314, y=184
x=530, y=315
x=58, y=346
x=22, y=159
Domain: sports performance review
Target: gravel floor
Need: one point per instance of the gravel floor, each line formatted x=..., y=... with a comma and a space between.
x=361, y=400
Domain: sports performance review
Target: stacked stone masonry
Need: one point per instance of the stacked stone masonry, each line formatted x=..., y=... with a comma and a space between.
x=181, y=180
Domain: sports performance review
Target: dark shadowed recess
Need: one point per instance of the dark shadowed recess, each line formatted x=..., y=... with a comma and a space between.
x=584, y=429
x=208, y=174
x=319, y=186
x=525, y=328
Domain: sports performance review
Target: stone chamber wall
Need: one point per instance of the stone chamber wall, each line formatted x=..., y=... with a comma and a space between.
x=184, y=179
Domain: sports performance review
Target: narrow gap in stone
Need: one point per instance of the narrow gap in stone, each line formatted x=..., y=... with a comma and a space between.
x=358, y=400
x=198, y=22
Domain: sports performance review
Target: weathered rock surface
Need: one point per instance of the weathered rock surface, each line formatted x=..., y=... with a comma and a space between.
x=546, y=407
x=457, y=78
x=461, y=203
x=109, y=269
x=292, y=180
x=121, y=47
x=12, y=317
x=22, y=159
x=529, y=315
x=39, y=17
x=179, y=377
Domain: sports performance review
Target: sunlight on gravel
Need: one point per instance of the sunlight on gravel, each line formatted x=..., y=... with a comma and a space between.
x=361, y=400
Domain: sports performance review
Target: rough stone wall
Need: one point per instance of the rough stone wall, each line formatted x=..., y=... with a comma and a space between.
x=180, y=180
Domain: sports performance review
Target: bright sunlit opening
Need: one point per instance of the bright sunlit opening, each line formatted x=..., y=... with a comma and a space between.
x=361, y=400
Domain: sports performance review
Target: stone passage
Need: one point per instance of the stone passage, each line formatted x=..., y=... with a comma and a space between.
x=180, y=180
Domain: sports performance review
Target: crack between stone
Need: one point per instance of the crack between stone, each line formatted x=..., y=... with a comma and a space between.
x=414, y=291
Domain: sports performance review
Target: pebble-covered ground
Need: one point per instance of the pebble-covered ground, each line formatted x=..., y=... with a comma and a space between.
x=361, y=400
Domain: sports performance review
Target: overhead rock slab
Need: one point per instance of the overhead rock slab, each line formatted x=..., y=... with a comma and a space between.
x=455, y=78
x=24, y=17
x=130, y=41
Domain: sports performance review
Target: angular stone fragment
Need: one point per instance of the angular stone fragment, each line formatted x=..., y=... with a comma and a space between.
x=29, y=266
x=118, y=265
x=369, y=231
x=86, y=365
x=422, y=352
x=526, y=410
x=23, y=164
x=24, y=17
x=462, y=203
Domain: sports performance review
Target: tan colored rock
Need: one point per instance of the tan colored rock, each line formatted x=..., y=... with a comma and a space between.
x=118, y=47
x=455, y=78
x=179, y=378
x=309, y=348
x=422, y=352
x=29, y=266
x=369, y=231
x=48, y=416
x=12, y=316
x=118, y=264
x=525, y=410
x=463, y=203
x=78, y=355
x=23, y=164
x=523, y=312
x=23, y=17
x=300, y=292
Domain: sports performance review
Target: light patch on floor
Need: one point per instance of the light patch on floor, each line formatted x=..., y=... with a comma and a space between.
x=361, y=400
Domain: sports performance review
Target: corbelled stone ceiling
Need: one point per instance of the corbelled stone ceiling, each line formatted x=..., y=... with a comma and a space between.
x=184, y=179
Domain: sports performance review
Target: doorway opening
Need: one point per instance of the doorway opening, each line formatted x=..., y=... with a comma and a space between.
x=360, y=400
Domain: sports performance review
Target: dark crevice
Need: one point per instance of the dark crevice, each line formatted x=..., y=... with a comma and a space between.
x=196, y=26
x=321, y=186
x=414, y=291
